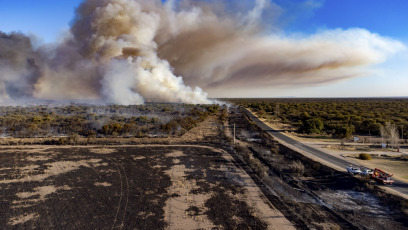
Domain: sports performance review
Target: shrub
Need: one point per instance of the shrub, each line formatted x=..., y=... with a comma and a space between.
x=364, y=156
x=62, y=141
x=404, y=157
x=73, y=138
x=297, y=167
x=275, y=149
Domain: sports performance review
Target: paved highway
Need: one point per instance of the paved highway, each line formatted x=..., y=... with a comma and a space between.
x=398, y=186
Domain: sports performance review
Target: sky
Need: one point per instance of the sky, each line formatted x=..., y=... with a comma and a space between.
x=48, y=19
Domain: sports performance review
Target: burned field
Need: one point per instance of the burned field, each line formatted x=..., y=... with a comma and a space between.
x=200, y=180
x=126, y=187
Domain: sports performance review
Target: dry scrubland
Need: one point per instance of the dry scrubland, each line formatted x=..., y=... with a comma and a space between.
x=192, y=178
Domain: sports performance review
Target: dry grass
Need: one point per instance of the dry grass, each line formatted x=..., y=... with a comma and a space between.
x=297, y=167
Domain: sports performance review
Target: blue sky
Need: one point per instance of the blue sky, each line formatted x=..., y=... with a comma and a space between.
x=378, y=16
x=44, y=18
x=47, y=19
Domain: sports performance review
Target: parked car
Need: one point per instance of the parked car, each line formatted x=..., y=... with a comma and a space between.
x=353, y=170
x=367, y=172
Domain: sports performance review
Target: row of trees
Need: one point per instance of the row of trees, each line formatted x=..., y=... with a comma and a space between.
x=337, y=117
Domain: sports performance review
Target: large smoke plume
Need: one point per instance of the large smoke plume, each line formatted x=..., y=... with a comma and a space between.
x=132, y=51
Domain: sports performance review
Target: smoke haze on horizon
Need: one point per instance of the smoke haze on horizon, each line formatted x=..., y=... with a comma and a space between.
x=133, y=51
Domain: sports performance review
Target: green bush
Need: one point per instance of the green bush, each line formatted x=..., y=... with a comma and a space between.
x=364, y=156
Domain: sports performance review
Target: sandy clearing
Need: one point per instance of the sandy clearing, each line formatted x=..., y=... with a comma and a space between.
x=103, y=184
x=55, y=168
x=40, y=193
x=102, y=150
x=23, y=218
x=175, y=154
x=39, y=158
x=138, y=158
x=175, y=209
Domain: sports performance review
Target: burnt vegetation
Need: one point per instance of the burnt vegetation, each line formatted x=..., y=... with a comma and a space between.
x=153, y=120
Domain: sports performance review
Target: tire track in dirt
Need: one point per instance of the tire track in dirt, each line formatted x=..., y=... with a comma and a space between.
x=124, y=192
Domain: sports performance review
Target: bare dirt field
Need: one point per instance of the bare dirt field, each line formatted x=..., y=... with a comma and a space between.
x=124, y=187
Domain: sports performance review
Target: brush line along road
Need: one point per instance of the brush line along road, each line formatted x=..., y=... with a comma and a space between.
x=398, y=185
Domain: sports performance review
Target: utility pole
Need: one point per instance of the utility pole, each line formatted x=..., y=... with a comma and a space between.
x=369, y=136
x=402, y=134
x=234, y=133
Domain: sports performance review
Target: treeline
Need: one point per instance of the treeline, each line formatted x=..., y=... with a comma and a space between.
x=338, y=117
x=150, y=120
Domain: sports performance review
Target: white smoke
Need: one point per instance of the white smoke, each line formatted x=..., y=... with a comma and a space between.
x=135, y=51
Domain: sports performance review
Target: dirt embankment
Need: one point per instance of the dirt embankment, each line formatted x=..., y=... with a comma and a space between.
x=313, y=195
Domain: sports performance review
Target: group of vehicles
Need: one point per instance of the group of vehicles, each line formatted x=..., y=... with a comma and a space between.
x=376, y=174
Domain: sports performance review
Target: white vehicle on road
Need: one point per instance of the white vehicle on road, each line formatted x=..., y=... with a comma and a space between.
x=367, y=172
x=353, y=170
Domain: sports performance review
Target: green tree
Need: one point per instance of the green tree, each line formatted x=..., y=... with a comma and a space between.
x=309, y=126
x=344, y=131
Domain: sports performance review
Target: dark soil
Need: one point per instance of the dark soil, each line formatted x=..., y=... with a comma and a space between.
x=134, y=195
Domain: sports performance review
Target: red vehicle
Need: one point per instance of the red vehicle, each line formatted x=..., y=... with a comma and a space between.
x=382, y=177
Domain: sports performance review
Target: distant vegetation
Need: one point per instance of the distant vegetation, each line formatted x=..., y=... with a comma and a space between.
x=340, y=118
x=102, y=121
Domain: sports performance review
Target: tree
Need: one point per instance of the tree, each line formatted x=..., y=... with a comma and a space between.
x=394, y=137
x=344, y=131
x=389, y=134
x=314, y=125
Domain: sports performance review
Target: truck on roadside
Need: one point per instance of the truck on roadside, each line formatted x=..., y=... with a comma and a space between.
x=382, y=177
